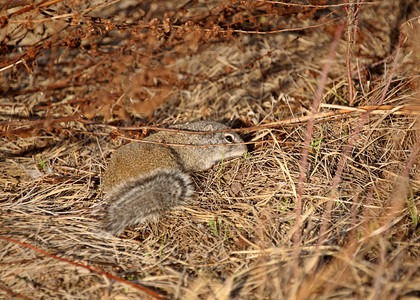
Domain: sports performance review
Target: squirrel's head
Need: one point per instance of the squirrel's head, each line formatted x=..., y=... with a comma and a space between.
x=211, y=147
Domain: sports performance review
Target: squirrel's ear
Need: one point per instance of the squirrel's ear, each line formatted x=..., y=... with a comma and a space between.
x=208, y=127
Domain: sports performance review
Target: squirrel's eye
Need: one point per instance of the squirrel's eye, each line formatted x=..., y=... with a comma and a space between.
x=229, y=138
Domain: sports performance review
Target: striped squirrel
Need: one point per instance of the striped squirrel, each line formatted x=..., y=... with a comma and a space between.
x=145, y=180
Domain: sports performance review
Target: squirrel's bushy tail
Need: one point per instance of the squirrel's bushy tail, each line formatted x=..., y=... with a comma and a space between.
x=145, y=198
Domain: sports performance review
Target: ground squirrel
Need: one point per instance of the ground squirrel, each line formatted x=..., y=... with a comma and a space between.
x=144, y=180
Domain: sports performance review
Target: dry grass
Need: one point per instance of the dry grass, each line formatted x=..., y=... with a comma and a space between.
x=259, y=227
